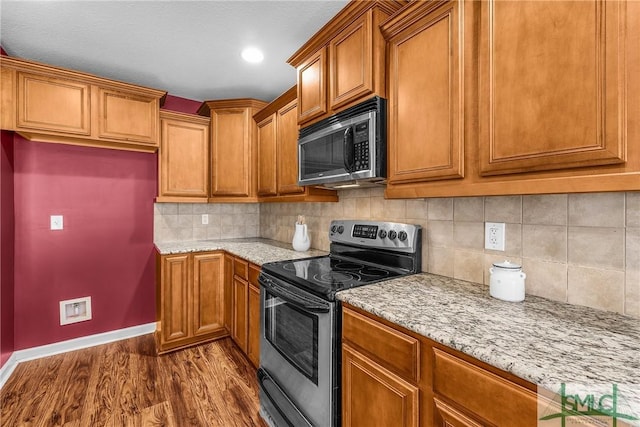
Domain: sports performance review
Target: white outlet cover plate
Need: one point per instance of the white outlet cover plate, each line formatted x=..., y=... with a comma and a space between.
x=57, y=222
x=494, y=236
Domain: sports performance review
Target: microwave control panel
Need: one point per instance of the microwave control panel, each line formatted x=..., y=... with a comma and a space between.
x=361, y=145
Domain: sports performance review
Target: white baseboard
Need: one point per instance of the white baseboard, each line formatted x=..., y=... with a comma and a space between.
x=75, y=344
x=7, y=369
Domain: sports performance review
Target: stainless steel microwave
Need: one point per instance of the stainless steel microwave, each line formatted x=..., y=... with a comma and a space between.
x=347, y=149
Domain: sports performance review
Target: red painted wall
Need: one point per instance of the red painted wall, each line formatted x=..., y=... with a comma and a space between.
x=6, y=247
x=183, y=105
x=105, y=250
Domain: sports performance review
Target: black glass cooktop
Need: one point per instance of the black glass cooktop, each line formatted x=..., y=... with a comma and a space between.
x=326, y=275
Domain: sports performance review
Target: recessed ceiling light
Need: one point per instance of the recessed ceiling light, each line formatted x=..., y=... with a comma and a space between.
x=252, y=54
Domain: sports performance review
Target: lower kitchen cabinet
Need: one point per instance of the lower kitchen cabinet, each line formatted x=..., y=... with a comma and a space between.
x=190, y=299
x=245, y=308
x=253, y=313
x=239, y=303
x=373, y=395
x=392, y=376
x=203, y=296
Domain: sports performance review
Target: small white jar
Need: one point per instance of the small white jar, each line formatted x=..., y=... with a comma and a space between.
x=507, y=281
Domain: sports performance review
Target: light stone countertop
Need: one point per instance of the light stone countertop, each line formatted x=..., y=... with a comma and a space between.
x=539, y=340
x=255, y=250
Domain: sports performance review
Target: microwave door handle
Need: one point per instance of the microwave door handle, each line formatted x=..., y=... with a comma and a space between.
x=348, y=150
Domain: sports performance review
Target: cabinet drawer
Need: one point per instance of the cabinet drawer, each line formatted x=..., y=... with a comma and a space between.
x=478, y=390
x=241, y=268
x=398, y=352
x=254, y=272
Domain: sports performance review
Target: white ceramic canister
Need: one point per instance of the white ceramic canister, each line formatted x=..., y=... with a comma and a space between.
x=507, y=281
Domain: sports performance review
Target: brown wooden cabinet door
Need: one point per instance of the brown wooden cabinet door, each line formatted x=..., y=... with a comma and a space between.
x=267, y=133
x=174, y=303
x=127, y=117
x=287, y=137
x=374, y=396
x=183, y=157
x=312, y=87
x=53, y=104
x=552, y=85
x=351, y=62
x=448, y=416
x=254, y=314
x=208, y=293
x=231, y=152
x=228, y=292
x=426, y=103
x=239, y=321
x=253, y=344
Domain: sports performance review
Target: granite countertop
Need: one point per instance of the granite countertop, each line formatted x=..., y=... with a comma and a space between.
x=539, y=340
x=256, y=250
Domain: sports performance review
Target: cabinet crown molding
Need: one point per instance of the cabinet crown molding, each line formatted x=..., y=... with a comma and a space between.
x=207, y=106
x=276, y=104
x=34, y=67
x=177, y=115
x=343, y=19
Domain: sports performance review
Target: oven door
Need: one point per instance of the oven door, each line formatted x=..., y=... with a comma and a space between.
x=297, y=355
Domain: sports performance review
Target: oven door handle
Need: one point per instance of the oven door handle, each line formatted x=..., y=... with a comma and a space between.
x=301, y=302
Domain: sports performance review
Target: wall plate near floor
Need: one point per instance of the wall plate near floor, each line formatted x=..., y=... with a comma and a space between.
x=75, y=310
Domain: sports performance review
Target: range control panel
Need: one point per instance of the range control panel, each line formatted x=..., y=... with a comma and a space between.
x=376, y=234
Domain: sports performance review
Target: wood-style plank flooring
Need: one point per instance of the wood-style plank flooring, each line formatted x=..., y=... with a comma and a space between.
x=125, y=384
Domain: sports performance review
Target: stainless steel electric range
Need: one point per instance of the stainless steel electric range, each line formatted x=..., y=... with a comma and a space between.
x=299, y=372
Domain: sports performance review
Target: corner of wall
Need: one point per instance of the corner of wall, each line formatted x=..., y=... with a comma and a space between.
x=7, y=239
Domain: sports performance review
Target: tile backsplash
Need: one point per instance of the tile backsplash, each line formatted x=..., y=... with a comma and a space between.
x=183, y=221
x=579, y=248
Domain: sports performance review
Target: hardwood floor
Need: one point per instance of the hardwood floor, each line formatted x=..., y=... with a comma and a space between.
x=126, y=384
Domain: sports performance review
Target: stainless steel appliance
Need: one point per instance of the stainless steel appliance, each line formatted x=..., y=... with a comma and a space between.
x=346, y=149
x=299, y=372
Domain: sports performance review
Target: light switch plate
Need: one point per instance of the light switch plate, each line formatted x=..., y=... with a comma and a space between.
x=57, y=222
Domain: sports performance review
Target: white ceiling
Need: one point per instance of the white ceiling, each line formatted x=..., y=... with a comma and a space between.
x=189, y=48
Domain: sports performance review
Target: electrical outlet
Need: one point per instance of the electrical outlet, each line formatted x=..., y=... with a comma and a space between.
x=494, y=236
x=205, y=219
x=56, y=222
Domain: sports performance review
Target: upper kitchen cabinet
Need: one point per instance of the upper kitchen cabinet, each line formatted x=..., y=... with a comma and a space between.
x=552, y=85
x=278, y=154
x=183, y=161
x=426, y=81
x=50, y=104
x=344, y=62
x=532, y=98
x=233, y=149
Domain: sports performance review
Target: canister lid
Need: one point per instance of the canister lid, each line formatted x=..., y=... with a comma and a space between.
x=507, y=265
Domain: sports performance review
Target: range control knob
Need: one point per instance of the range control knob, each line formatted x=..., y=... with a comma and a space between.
x=392, y=235
x=402, y=236
x=340, y=229
x=382, y=234
x=334, y=228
